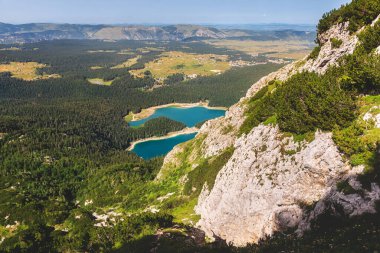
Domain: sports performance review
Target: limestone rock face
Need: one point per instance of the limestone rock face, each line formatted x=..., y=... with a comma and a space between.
x=369, y=116
x=353, y=204
x=261, y=188
x=328, y=55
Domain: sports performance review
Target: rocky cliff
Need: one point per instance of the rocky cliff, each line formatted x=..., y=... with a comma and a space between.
x=272, y=182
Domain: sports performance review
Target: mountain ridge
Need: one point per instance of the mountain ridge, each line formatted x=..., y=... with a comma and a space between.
x=35, y=32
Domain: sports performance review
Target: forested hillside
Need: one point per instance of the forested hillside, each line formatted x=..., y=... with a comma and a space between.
x=67, y=183
x=63, y=163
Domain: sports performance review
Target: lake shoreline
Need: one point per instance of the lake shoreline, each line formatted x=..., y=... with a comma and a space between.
x=151, y=110
x=169, y=135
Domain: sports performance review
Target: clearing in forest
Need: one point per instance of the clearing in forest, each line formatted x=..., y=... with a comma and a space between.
x=126, y=52
x=101, y=51
x=26, y=71
x=128, y=63
x=10, y=49
x=99, y=81
x=191, y=65
x=146, y=50
x=96, y=67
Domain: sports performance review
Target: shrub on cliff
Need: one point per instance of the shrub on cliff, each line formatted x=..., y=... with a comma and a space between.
x=359, y=13
x=304, y=103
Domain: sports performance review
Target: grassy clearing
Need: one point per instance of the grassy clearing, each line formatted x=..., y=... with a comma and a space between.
x=360, y=139
x=99, y=81
x=129, y=117
x=146, y=50
x=174, y=62
x=370, y=104
x=206, y=172
x=185, y=214
x=26, y=71
x=128, y=63
x=101, y=51
x=141, y=115
x=10, y=49
x=127, y=51
x=291, y=49
x=96, y=67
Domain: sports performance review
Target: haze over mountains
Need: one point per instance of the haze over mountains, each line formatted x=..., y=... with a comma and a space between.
x=35, y=32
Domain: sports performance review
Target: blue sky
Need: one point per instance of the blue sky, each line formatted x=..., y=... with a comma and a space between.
x=166, y=11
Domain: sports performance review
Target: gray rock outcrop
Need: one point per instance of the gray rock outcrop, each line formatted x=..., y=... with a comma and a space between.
x=264, y=185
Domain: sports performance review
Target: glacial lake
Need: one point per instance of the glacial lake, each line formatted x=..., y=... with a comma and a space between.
x=154, y=148
x=189, y=116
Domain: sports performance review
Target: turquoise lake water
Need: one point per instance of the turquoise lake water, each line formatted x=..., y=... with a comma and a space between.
x=189, y=116
x=150, y=149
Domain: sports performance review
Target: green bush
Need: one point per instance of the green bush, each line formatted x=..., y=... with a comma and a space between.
x=174, y=79
x=261, y=93
x=370, y=37
x=304, y=103
x=359, y=13
x=336, y=43
x=372, y=175
x=360, y=72
x=308, y=101
x=206, y=173
x=314, y=54
x=345, y=187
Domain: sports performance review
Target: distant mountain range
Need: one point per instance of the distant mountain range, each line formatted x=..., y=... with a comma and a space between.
x=35, y=32
x=267, y=27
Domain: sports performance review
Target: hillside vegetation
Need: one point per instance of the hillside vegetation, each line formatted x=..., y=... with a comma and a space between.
x=67, y=183
x=358, y=13
x=27, y=71
x=343, y=101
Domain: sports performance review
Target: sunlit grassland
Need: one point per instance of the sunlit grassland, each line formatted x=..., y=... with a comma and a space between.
x=128, y=63
x=291, y=49
x=174, y=62
x=101, y=51
x=26, y=70
x=96, y=67
x=10, y=49
x=99, y=81
x=145, y=50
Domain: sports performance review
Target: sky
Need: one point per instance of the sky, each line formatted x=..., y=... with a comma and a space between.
x=165, y=11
